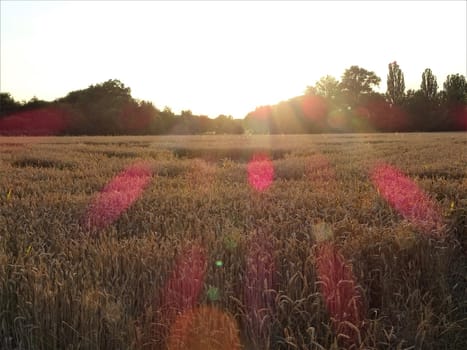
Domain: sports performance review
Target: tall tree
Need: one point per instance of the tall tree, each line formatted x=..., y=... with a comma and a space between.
x=395, y=84
x=8, y=104
x=455, y=88
x=429, y=85
x=454, y=102
x=358, y=81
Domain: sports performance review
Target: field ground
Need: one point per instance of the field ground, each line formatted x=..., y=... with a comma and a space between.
x=234, y=242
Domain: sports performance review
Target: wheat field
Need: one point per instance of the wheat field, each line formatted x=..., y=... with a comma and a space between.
x=349, y=241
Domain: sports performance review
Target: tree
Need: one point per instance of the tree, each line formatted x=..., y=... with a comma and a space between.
x=454, y=102
x=455, y=88
x=327, y=87
x=395, y=84
x=429, y=85
x=358, y=81
x=100, y=108
x=8, y=105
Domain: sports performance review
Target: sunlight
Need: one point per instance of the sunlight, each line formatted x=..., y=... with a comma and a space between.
x=341, y=294
x=204, y=328
x=408, y=199
x=183, y=288
x=260, y=172
x=117, y=196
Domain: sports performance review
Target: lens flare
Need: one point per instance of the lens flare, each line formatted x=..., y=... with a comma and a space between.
x=408, y=199
x=314, y=107
x=48, y=121
x=179, y=294
x=260, y=281
x=117, y=196
x=204, y=328
x=186, y=282
x=337, y=120
x=342, y=297
x=260, y=172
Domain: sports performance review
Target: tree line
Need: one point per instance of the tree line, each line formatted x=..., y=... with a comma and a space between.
x=352, y=105
x=105, y=109
x=348, y=105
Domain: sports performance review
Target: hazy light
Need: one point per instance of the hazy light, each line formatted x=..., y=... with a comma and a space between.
x=342, y=297
x=209, y=63
x=204, y=328
x=260, y=172
x=314, y=107
x=184, y=286
x=408, y=199
x=117, y=196
x=47, y=121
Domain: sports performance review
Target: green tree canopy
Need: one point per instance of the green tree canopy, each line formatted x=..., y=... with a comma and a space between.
x=395, y=84
x=455, y=88
x=327, y=87
x=429, y=85
x=358, y=81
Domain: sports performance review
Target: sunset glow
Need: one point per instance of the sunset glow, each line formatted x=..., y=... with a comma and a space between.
x=221, y=57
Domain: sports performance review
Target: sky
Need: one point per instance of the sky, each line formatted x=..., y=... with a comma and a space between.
x=223, y=57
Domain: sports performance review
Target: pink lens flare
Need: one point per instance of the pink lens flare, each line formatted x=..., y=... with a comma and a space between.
x=260, y=281
x=204, y=328
x=184, y=286
x=314, y=108
x=179, y=295
x=408, y=199
x=342, y=297
x=117, y=196
x=260, y=172
x=47, y=121
x=262, y=113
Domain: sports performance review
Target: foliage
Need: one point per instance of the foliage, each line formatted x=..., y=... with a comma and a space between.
x=352, y=106
x=396, y=85
x=349, y=105
x=356, y=82
x=429, y=85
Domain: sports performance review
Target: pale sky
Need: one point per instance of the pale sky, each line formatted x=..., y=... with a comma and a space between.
x=222, y=57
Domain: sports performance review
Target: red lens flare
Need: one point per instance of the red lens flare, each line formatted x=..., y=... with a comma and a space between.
x=48, y=121
x=342, y=297
x=384, y=116
x=408, y=199
x=459, y=116
x=314, y=107
x=179, y=295
x=260, y=281
x=204, y=328
x=260, y=172
x=117, y=196
x=262, y=113
x=184, y=286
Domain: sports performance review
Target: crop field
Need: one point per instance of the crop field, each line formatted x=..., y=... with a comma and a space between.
x=349, y=241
